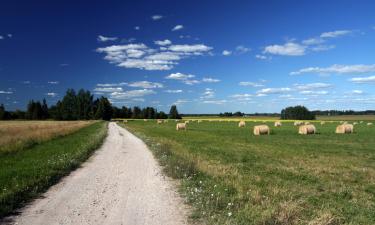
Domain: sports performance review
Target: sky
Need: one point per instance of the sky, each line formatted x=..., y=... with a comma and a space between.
x=203, y=56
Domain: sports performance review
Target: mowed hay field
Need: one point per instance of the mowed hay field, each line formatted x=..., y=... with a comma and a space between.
x=230, y=176
x=31, y=163
x=18, y=135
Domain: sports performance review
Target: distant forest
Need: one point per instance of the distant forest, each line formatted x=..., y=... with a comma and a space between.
x=81, y=105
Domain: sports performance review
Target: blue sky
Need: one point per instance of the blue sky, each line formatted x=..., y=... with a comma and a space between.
x=204, y=56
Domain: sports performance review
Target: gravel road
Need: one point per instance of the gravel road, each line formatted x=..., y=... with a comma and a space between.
x=120, y=184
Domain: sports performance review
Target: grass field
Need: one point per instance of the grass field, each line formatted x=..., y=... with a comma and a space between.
x=230, y=176
x=18, y=135
x=26, y=173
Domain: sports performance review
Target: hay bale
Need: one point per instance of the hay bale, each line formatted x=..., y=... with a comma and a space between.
x=261, y=130
x=241, y=124
x=177, y=121
x=298, y=123
x=145, y=120
x=159, y=121
x=277, y=124
x=187, y=121
x=369, y=124
x=307, y=129
x=322, y=123
x=306, y=123
x=355, y=123
x=200, y=121
x=361, y=122
x=181, y=126
x=344, y=129
x=125, y=121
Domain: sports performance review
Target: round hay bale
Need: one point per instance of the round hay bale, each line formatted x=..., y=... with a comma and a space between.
x=322, y=123
x=261, y=130
x=181, y=126
x=307, y=129
x=159, y=121
x=241, y=124
x=369, y=124
x=277, y=124
x=344, y=129
x=125, y=121
x=145, y=120
x=298, y=123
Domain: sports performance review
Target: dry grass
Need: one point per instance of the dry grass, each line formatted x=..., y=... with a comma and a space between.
x=17, y=135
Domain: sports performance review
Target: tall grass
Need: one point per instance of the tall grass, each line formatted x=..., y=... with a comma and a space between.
x=18, y=135
x=230, y=176
x=25, y=174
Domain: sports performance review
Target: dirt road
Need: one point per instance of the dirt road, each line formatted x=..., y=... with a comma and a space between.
x=120, y=184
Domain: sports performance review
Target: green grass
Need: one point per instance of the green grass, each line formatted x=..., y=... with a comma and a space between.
x=230, y=176
x=25, y=174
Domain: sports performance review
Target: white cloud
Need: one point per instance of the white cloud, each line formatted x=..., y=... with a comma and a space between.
x=242, y=97
x=105, y=39
x=180, y=102
x=210, y=80
x=208, y=93
x=251, y=84
x=179, y=76
x=191, y=82
x=53, y=82
x=226, y=52
x=108, y=89
x=357, y=92
x=334, y=34
x=1, y=37
x=196, y=49
x=216, y=102
x=313, y=93
x=163, y=43
x=242, y=49
x=51, y=94
x=146, y=84
x=178, y=27
x=267, y=91
x=6, y=92
x=10, y=35
x=142, y=57
x=363, y=80
x=288, y=49
x=313, y=41
x=111, y=85
x=137, y=28
x=156, y=17
x=312, y=86
x=131, y=94
x=263, y=57
x=337, y=69
x=174, y=91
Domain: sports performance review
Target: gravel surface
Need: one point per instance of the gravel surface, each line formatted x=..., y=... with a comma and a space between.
x=120, y=184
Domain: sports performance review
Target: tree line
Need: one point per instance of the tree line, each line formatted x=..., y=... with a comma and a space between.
x=297, y=113
x=81, y=105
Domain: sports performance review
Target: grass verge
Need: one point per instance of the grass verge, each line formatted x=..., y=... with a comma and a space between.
x=26, y=174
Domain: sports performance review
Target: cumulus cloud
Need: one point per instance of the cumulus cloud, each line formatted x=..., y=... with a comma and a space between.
x=288, y=49
x=53, y=82
x=180, y=101
x=6, y=92
x=321, y=48
x=357, y=92
x=51, y=94
x=156, y=17
x=266, y=91
x=313, y=41
x=226, y=52
x=312, y=86
x=137, y=28
x=178, y=27
x=108, y=89
x=242, y=97
x=179, y=76
x=313, y=93
x=210, y=80
x=337, y=69
x=208, y=93
x=363, y=80
x=163, y=43
x=141, y=56
x=146, y=84
x=251, y=84
x=174, y=91
x=216, y=102
x=334, y=34
x=102, y=38
x=240, y=49
x=131, y=94
x=263, y=57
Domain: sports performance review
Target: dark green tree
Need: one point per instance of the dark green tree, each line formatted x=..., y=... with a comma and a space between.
x=137, y=113
x=104, y=110
x=173, y=113
x=297, y=113
x=45, y=114
x=69, y=106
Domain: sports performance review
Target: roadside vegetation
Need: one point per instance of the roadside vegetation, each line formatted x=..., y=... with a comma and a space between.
x=27, y=172
x=230, y=176
x=19, y=135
